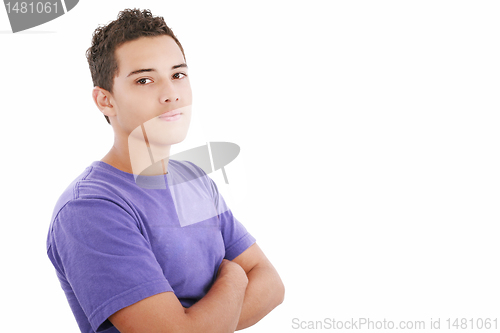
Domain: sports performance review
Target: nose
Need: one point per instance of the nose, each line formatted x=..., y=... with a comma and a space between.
x=169, y=93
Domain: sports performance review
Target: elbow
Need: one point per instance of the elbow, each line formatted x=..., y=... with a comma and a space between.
x=281, y=293
x=278, y=293
x=278, y=289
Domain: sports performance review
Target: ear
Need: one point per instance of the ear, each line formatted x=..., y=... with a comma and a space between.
x=103, y=100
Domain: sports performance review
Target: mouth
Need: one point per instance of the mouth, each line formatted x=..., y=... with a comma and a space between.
x=169, y=114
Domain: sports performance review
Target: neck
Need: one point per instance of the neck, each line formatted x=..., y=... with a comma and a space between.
x=138, y=156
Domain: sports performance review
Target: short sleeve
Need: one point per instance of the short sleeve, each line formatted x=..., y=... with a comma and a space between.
x=106, y=259
x=236, y=237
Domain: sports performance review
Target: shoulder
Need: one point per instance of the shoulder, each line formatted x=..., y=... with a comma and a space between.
x=91, y=189
x=93, y=183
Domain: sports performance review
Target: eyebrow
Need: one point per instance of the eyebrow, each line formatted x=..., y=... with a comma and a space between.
x=154, y=70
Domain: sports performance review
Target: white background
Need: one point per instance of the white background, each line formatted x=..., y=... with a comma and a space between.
x=370, y=144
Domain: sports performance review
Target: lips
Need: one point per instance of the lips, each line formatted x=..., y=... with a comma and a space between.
x=169, y=114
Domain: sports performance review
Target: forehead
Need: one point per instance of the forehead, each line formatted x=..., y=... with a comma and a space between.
x=157, y=51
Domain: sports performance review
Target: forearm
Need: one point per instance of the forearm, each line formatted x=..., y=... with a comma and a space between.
x=219, y=310
x=264, y=292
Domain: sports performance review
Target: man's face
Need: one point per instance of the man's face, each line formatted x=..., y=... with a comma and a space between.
x=152, y=79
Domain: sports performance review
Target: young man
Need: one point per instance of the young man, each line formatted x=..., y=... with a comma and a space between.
x=142, y=243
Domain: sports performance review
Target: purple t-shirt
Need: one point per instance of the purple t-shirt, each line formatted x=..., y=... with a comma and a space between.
x=115, y=240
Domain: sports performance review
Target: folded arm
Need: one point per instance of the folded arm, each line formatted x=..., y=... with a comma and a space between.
x=217, y=312
x=246, y=290
x=264, y=291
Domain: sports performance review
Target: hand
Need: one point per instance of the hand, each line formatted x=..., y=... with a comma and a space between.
x=222, y=264
x=230, y=267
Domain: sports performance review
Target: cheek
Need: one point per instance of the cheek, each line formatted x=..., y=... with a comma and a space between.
x=131, y=99
x=135, y=108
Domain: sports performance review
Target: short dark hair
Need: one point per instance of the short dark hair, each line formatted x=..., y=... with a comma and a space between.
x=131, y=24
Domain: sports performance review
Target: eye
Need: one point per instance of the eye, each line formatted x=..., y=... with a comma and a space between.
x=176, y=75
x=143, y=81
